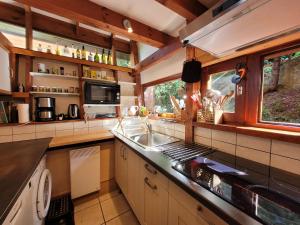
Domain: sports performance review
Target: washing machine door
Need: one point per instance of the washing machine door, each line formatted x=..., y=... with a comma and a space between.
x=44, y=194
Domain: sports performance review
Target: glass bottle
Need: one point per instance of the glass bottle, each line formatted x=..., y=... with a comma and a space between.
x=109, y=58
x=57, y=50
x=66, y=51
x=104, y=57
x=90, y=57
x=83, y=53
x=96, y=56
x=78, y=55
x=49, y=49
x=40, y=49
x=73, y=51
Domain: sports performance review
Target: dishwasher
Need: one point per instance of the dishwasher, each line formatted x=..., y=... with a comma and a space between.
x=84, y=171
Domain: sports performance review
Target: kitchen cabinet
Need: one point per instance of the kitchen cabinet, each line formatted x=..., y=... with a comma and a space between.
x=5, y=85
x=121, y=156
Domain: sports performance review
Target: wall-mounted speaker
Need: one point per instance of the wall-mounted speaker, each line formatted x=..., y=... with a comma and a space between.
x=192, y=71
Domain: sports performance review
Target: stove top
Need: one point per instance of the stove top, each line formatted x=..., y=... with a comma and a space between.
x=270, y=195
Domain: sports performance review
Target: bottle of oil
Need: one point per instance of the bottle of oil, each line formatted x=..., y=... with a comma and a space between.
x=83, y=53
x=96, y=56
x=78, y=54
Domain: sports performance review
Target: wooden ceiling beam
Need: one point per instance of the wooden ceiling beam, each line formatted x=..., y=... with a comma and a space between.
x=16, y=15
x=92, y=14
x=189, y=9
x=158, y=56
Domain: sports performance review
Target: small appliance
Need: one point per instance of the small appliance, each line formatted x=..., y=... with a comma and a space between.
x=45, y=109
x=73, y=111
x=101, y=93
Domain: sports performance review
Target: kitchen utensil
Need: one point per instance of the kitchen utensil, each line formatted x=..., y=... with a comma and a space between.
x=133, y=110
x=73, y=111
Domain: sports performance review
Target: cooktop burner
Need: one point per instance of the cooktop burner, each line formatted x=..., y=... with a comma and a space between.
x=256, y=189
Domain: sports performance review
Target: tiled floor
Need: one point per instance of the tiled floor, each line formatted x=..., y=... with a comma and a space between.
x=109, y=209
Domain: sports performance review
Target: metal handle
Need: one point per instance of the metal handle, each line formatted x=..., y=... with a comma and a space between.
x=153, y=187
x=147, y=167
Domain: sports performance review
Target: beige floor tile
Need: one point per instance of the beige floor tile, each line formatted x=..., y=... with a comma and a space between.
x=127, y=218
x=113, y=207
x=86, y=202
x=89, y=216
x=109, y=195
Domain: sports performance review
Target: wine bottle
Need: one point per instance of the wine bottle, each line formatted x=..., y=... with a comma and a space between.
x=103, y=56
x=78, y=55
x=83, y=53
x=109, y=58
x=73, y=51
x=96, y=56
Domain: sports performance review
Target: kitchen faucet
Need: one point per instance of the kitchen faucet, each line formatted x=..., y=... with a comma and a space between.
x=149, y=127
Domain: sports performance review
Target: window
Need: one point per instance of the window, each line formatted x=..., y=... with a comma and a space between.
x=281, y=88
x=157, y=97
x=222, y=82
x=15, y=34
x=123, y=59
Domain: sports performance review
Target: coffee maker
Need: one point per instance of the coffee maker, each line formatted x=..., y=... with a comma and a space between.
x=44, y=109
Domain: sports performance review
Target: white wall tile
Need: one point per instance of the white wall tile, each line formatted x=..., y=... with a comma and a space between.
x=6, y=138
x=6, y=130
x=203, y=132
x=24, y=129
x=254, y=155
x=45, y=134
x=287, y=149
x=23, y=137
x=64, y=126
x=81, y=131
x=179, y=127
x=80, y=124
x=180, y=135
x=224, y=147
x=263, y=144
x=109, y=123
x=167, y=125
x=284, y=163
x=203, y=140
x=229, y=137
x=60, y=133
x=44, y=127
x=95, y=123
x=170, y=132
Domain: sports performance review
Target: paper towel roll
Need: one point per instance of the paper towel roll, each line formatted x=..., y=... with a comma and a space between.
x=23, y=113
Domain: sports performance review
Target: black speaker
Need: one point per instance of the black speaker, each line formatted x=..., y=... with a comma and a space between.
x=192, y=71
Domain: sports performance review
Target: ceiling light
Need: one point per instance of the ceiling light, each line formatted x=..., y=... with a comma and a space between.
x=127, y=25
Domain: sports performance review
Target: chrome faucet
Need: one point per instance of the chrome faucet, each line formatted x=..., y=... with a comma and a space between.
x=149, y=127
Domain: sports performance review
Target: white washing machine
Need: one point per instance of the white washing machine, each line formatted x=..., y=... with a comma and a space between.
x=41, y=186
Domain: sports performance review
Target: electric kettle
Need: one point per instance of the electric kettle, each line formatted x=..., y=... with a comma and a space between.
x=73, y=111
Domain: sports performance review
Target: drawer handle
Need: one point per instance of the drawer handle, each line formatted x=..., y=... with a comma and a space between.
x=199, y=208
x=147, y=167
x=153, y=187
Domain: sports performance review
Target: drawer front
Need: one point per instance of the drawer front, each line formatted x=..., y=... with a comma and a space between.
x=194, y=206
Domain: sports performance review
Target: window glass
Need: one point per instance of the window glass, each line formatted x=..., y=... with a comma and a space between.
x=123, y=59
x=281, y=88
x=15, y=34
x=157, y=98
x=222, y=82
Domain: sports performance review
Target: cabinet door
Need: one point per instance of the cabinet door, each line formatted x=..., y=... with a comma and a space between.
x=155, y=202
x=179, y=215
x=135, y=184
x=124, y=170
x=4, y=71
x=118, y=159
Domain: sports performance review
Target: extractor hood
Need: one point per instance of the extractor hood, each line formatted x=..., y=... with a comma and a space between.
x=232, y=25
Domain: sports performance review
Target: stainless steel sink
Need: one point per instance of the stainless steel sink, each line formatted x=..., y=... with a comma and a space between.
x=153, y=139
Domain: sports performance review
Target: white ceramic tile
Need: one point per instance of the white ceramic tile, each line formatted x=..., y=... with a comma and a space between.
x=167, y=125
x=81, y=124
x=64, y=126
x=95, y=123
x=44, y=127
x=229, y=137
x=203, y=140
x=95, y=129
x=224, y=147
x=180, y=135
x=287, y=164
x=155, y=127
x=203, y=132
x=60, y=133
x=287, y=149
x=109, y=122
x=6, y=130
x=179, y=127
x=258, y=143
x=254, y=155
x=81, y=131
x=45, y=134
x=6, y=138
x=24, y=129
x=23, y=137
x=169, y=132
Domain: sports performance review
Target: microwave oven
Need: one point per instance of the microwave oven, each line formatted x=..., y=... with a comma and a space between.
x=101, y=93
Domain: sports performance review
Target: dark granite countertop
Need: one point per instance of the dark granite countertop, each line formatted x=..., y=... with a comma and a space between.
x=18, y=161
x=223, y=208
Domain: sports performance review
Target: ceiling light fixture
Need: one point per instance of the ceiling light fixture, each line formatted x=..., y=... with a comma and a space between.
x=127, y=25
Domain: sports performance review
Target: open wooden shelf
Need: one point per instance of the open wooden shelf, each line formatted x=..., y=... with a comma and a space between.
x=100, y=80
x=20, y=94
x=54, y=93
x=44, y=55
x=126, y=83
x=53, y=75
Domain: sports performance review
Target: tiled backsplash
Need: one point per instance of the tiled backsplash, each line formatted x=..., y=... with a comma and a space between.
x=169, y=128
x=28, y=132
x=279, y=154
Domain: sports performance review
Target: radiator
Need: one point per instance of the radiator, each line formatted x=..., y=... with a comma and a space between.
x=85, y=171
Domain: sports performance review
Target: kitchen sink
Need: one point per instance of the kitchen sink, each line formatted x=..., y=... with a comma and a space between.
x=153, y=139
